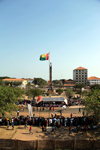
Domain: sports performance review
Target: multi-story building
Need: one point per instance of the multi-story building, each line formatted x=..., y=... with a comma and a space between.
x=93, y=80
x=69, y=83
x=80, y=75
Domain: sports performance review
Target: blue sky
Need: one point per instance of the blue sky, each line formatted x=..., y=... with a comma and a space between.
x=68, y=29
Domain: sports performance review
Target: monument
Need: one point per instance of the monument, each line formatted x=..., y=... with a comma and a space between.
x=30, y=110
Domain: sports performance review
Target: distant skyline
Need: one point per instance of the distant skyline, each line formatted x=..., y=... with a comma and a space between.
x=69, y=30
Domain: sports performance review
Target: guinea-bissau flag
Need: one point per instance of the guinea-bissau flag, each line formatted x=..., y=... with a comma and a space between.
x=44, y=56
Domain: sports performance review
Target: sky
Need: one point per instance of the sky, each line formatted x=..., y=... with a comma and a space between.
x=68, y=29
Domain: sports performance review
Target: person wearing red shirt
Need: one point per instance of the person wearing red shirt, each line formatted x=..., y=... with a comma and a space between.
x=84, y=129
x=53, y=108
x=71, y=115
x=30, y=129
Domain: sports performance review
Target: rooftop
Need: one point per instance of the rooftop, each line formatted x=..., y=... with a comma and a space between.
x=93, y=78
x=80, y=68
x=10, y=79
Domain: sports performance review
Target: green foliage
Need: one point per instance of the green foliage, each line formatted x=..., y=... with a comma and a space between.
x=69, y=92
x=5, y=77
x=16, y=83
x=1, y=82
x=13, y=83
x=80, y=86
x=47, y=93
x=83, y=93
x=33, y=92
x=56, y=82
x=92, y=103
x=9, y=96
x=95, y=86
x=62, y=81
x=40, y=81
x=59, y=91
x=29, y=86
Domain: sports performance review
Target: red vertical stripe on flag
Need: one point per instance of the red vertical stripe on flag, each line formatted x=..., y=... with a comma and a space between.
x=47, y=56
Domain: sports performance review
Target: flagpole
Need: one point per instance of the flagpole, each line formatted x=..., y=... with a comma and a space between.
x=49, y=85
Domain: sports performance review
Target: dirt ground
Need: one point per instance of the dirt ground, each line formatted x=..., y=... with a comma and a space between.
x=21, y=133
x=47, y=113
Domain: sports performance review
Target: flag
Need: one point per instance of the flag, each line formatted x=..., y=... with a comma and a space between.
x=44, y=56
x=39, y=99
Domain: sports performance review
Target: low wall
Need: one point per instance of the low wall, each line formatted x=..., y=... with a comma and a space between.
x=49, y=144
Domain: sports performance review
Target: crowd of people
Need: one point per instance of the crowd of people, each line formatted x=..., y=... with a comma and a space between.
x=74, y=123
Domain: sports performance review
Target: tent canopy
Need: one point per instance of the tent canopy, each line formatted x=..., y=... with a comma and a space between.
x=55, y=99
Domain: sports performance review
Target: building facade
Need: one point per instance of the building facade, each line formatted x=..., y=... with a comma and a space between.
x=69, y=83
x=93, y=80
x=80, y=75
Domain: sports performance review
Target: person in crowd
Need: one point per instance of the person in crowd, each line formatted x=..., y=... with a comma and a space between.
x=30, y=130
x=33, y=115
x=40, y=108
x=55, y=114
x=26, y=124
x=53, y=108
x=12, y=123
x=13, y=126
x=52, y=128
x=84, y=129
x=47, y=122
x=43, y=108
x=61, y=112
x=0, y=121
x=71, y=115
x=17, y=113
x=79, y=110
x=70, y=130
x=37, y=108
x=8, y=124
x=51, y=114
x=83, y=113
x=43, y=128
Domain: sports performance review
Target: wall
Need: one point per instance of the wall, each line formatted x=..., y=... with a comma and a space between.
x=49, y=144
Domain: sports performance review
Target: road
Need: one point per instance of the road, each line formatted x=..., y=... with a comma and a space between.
x=46, y=113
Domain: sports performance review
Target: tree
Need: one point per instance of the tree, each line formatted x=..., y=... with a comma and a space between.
x=13, y=83
x=16, y=83
x=92, y=103
x=95, y=86
x=83, y=93
x=8, y=97
x=1, y=82
x=40, y=81
x=33, y=92
x=56, y=82
x=5, y=77
x=80, y=86
x=69, y=92
x=59, y=91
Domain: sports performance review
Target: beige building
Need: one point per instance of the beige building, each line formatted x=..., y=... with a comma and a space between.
x=93, y=80
x=80, y=75
x=22, y=81
x=69, y=83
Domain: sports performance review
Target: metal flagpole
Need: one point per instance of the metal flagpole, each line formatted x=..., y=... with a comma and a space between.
x=49, y=84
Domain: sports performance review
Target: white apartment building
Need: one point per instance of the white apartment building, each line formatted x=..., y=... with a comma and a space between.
x=80, y=75
x=93, y=80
